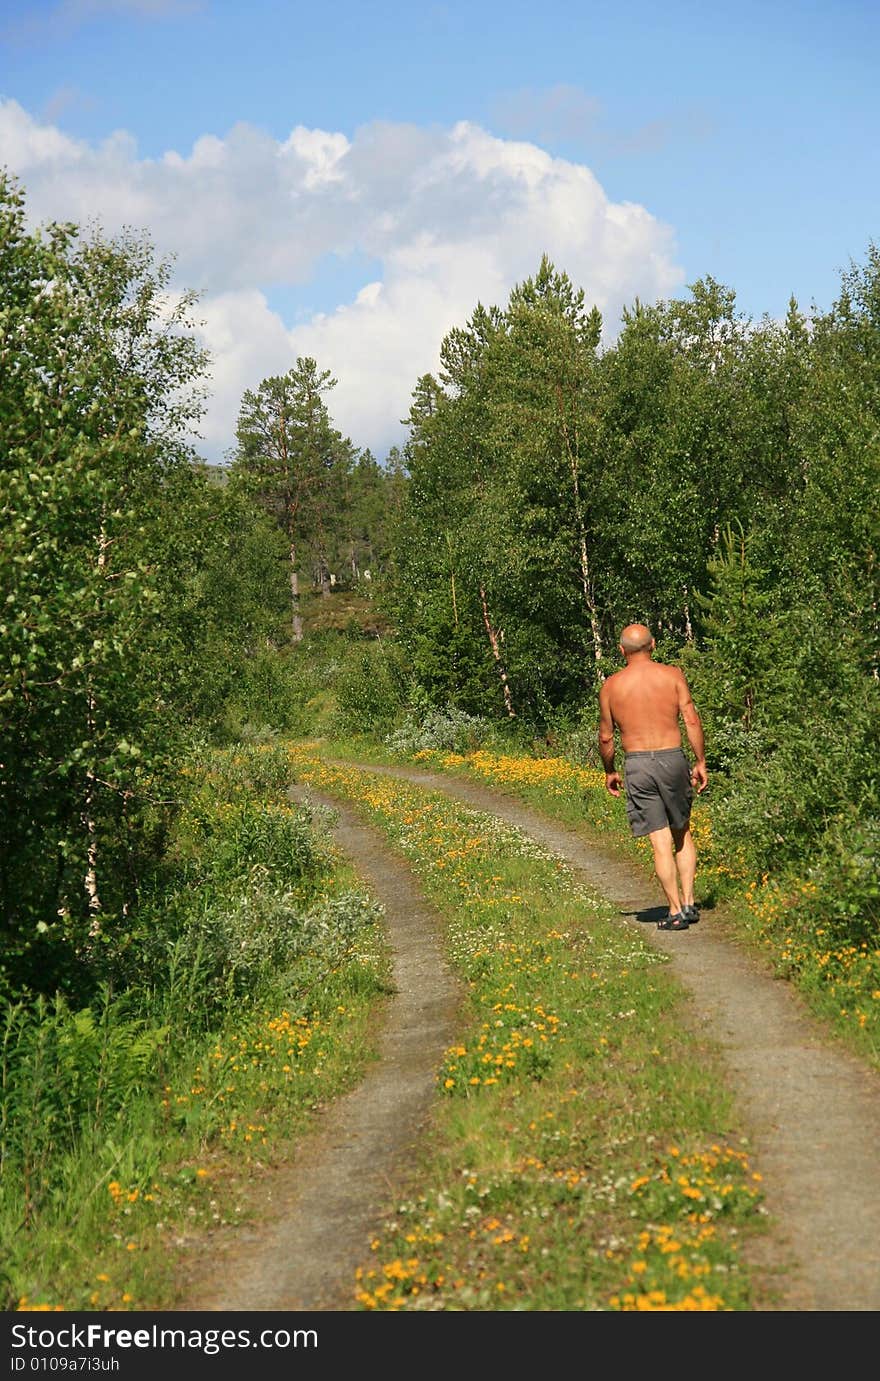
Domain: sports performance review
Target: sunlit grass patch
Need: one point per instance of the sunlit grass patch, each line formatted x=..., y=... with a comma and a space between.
x=840, y=977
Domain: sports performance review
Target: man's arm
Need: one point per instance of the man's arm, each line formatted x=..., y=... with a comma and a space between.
x=606, y=742
x=694, y=730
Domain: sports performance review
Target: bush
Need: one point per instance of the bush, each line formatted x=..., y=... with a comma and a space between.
x=449, y=729
x=275, y=837
x=845, y=893
x=243, y=946
x=63, y=1072
x=272, y=693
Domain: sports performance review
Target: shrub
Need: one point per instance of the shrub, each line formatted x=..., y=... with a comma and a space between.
x=272, y=693
x=242, y=946
x=845, y=896
x=63, y=1072
x=277, y=837
x=260, y=765
x=448, y=729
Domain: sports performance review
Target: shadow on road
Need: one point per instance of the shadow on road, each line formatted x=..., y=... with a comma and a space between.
x=648, y=915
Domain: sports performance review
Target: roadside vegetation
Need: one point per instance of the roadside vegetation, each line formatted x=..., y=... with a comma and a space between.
x=129, y=1125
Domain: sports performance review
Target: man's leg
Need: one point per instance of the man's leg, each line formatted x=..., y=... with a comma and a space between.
x=685, y=862
x=665, y=862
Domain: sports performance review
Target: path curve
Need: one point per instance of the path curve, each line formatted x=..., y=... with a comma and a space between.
x=328, y=1202
x=813, y=1109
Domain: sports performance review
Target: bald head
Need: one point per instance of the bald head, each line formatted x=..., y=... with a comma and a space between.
x=636, y=637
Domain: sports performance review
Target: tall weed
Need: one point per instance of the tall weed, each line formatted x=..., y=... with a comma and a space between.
x=64, y=1073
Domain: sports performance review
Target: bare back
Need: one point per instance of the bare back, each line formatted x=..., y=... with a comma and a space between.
x=645, y=700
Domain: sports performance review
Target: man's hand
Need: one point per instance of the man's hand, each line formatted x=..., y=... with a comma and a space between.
x=613, y=783
x=699, y=776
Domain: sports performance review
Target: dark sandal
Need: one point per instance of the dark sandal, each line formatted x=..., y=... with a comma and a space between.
x=678, y=922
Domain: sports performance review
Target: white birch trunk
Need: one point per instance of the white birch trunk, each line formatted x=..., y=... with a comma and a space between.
x=496, y=653
x=583, y=552
x=87, y=817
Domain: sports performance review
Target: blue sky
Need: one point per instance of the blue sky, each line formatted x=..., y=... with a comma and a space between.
x=348, y=180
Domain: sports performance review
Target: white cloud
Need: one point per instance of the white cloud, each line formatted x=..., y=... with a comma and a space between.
x=454, y=216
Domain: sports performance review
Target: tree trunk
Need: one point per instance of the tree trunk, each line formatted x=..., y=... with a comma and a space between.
x=495, y=645
x=91, y=877
x=580, y=525
x=87, y=816
x=297, y=623
x=590, y=602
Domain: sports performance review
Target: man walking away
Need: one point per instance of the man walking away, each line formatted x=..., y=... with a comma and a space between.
x=646, y=702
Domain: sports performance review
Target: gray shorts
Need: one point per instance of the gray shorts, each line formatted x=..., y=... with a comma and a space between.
x=658, y=790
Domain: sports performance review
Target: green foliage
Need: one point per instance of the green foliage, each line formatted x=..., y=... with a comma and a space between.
x=370, y=689
x=270, y=691
x=249, y=940
x=221, y=565
x=494, y=591
x=101, y=383
x=240, y=912
x=712, y=476
x=331, y=503
x=808, y=769
x=736, y=674
x=845, y=895
x=239, y=904
x=135, y=589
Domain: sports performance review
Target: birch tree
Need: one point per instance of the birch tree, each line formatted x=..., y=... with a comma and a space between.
x=100, y=386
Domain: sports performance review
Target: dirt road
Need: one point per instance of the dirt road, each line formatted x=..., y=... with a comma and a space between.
x=813, y=1110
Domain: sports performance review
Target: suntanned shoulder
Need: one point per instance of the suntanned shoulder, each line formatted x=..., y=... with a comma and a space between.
x=608, y=687
x=680, y=680
x=666, y=672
